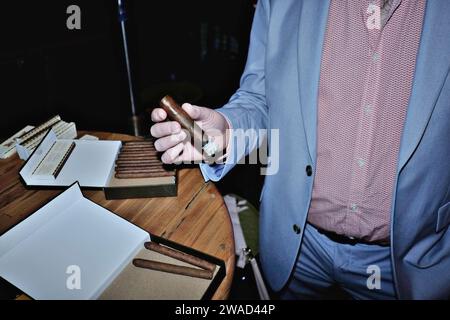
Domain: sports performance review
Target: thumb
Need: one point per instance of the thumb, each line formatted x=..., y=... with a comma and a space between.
x=195, y=112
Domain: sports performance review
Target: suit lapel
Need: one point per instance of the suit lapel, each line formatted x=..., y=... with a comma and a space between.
x=312, y=26
x=432, y=67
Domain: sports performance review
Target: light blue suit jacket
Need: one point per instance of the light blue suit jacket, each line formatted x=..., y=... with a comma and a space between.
x=279, y=91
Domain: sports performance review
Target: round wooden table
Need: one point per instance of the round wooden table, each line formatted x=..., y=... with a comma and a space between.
x=197, y=218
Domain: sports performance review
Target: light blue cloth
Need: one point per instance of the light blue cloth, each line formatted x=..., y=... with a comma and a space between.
x=362, y=271
x=279, y=91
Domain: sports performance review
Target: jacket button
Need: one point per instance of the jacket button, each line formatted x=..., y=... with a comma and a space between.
x=309, y=171
x=297, y=229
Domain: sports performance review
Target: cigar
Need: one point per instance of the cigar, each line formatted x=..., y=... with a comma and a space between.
x=195, y=261
x=130, y=148
x=136, y=148
x=170, y=268
x=132, y=157
x=139, y=165
x=198, y=137
x=144, y=175
x=138, y=156
x=140, y=170
x=136, y=162
x=153, y=166
x=137, y=143
x=138, y=153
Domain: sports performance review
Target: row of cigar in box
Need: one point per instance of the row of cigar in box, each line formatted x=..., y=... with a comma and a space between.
x=139, y=159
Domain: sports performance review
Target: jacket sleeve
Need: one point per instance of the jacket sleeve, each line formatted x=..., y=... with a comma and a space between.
x=247, y=109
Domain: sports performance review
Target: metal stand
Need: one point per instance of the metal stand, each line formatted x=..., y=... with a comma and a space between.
x=134, y=120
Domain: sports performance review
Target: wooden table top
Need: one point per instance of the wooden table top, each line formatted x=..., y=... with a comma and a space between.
x=197, y=218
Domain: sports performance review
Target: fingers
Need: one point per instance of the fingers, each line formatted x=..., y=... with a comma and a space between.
x=195, y=112
x=164, y=129
x=159, y=115
x=165, y=143
x=172, y=154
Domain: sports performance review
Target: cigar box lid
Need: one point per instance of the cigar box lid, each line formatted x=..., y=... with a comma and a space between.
x=71, y=248
x=73, y=241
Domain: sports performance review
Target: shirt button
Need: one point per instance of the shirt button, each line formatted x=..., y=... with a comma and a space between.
x=368, y=109
x=309, y=171
x=361, y=162
x=376, y=57
x=354, y=207
x=297, y=229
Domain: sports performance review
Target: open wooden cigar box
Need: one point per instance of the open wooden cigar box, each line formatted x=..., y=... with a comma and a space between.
x=74, y=249
x=122, y=170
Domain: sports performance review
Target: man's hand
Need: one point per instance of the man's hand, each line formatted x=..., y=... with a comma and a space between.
x=172, y=140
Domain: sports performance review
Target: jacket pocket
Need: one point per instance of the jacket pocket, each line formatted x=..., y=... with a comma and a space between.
x=443, y=217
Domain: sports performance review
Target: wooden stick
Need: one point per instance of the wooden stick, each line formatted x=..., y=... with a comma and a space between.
x=144, y=175
x=180, y=256
x=171, y=268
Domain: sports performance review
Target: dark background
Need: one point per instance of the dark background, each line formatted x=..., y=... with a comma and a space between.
x=193, y=49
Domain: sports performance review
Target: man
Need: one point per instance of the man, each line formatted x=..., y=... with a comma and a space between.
x=359, y=92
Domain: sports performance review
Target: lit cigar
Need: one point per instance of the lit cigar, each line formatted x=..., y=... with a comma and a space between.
x=144, y=175
x=180, y=256
x=176, y=113
x=170, y=268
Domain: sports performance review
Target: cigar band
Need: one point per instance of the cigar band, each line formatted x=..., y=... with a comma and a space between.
x=210, y=148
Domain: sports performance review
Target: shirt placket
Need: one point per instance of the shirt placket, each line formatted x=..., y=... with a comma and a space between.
x=365, y=136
